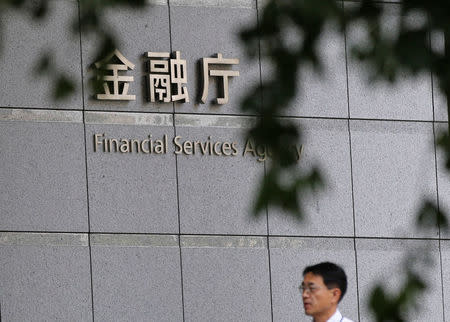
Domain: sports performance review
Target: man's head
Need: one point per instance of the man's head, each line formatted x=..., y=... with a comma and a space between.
x=323, y=287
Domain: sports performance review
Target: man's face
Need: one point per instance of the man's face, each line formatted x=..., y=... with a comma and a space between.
x=318, y=300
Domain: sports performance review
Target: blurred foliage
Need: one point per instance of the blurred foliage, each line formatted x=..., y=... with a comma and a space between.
x=272, y=38
x=401, y=301
x=286, y=37
x=431, y=217
x=443, y=143
x=394, y=308
x=91, y=19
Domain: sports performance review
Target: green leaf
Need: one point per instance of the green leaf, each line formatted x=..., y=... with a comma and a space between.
x=43, y=66
x=40, y=9
x=63, y=87
x=430, y=217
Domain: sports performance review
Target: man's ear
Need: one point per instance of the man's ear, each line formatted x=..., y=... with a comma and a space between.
x=336, y=295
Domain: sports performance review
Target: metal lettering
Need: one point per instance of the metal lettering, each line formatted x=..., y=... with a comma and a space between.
x=224, y=74
x=115, y=79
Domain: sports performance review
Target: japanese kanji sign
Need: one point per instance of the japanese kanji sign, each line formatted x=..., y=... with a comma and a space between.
x=167, y=77
x=161, y=80
x=218, y=73
x=115, y=78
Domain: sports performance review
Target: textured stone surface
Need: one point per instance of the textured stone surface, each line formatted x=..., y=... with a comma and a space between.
x=137, y=276
x=45, y=283
x=24, y=41
x=319, y=93
x=381, y=261
x=213, y=30
x=445, y=253
x=289, y=256
x=138, y=32
x=136, y=283
x=407, y=99
x=443, y=178
x=215, y=3
x=328, y=212
x=44, y=176
x=440, y=105
x=226, y=283
x=393, y=171
x=216, y=191
x=439, y=100
x=132, y=192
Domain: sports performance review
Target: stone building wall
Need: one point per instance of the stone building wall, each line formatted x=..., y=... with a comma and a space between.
x=87, y=234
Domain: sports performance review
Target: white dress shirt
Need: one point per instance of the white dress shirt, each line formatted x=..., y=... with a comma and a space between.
x=337, y=317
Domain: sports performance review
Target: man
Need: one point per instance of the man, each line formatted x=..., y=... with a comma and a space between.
x=323, y=287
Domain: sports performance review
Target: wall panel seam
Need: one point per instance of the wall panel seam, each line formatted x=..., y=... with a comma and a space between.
x=265, y=165
x=177, y=180
x=351, y=170
x=86, y=165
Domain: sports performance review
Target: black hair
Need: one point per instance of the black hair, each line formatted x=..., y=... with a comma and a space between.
x=332, y=274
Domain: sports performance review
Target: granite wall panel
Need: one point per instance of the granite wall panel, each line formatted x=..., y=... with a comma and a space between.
x=217, y=191
x=327, y=212
x=225, y=278
x=407, y=99
x=136, y=278
x=288, y=258
x=393, y=172
x=45, y=277
x=43, y=171
x=331, y=78
x=382, y=262
x=25, y=41
x=134, y=191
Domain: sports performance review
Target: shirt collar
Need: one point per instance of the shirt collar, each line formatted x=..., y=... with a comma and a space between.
x=336, y=317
